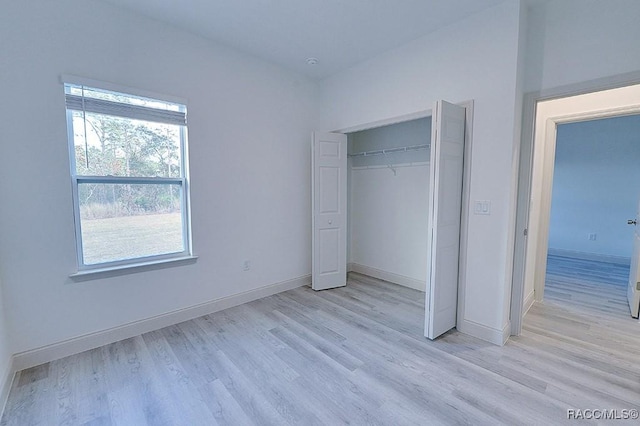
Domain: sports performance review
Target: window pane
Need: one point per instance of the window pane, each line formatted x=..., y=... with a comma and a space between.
x=107, y=145
x=127, y=221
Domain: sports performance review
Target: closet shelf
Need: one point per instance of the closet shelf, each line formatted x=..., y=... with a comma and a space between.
x=389, y=151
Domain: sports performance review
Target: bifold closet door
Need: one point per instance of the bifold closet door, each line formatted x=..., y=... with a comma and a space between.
x=445, y=208
x=329, y=209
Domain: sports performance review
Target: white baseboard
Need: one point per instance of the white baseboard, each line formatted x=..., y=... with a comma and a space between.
x=621, y=260
x=491, y=335
x=6, y=380
x=528, y=302
x=89, y=341
x=387, y=276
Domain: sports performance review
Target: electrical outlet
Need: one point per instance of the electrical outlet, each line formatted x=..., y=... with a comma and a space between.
x=592, y=237
x=246, y=265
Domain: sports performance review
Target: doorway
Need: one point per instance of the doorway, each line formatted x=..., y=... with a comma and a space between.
x=534, y=205
x=596, y=183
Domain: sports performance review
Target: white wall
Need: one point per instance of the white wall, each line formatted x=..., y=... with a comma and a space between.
x=388, y=212
x=572, y=41
x=473, y=59
x=249, y=136
x=596, y=186
x=389, y=220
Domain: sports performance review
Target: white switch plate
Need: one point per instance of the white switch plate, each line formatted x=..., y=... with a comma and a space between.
x=482, y=207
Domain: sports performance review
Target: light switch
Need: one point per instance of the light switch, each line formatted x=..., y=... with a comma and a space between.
x=482, y=207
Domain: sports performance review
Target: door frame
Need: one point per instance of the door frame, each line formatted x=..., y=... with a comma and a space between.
x=466, y=185
x=542, y=112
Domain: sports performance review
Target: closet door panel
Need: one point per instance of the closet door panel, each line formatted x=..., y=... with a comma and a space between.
x=329, y=186
x=445, y=207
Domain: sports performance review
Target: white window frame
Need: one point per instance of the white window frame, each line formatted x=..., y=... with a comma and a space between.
x=162, y=116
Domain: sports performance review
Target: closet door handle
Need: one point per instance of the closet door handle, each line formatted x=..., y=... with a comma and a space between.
x=330, y=222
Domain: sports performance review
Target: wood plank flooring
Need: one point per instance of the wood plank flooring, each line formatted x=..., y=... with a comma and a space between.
x=599, y=287
x=353, y=355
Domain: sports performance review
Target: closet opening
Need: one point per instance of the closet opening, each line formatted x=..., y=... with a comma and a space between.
x=388, y=202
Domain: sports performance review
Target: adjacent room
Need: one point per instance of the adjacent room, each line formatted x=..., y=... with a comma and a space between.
x=596, y=185
x=161, y=202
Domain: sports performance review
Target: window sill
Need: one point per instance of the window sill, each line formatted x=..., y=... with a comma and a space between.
x=93, y=274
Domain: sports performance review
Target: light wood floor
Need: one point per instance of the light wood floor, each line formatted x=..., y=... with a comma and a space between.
x=353, y=355
x=588, y=285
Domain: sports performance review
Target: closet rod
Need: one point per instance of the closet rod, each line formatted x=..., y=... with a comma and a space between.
x=389, y=151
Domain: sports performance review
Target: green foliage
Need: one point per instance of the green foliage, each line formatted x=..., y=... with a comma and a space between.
x=114, y=146
x=100, y=201
x=123, y=147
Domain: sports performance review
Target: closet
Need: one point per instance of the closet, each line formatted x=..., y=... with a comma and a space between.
x=387, y=202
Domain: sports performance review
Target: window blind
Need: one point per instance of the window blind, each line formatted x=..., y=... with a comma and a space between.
x=136, y=112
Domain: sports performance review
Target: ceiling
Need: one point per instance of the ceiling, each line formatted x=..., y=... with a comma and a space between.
x=339, y=33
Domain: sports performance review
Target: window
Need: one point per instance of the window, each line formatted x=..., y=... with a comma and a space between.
x=129, y=177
